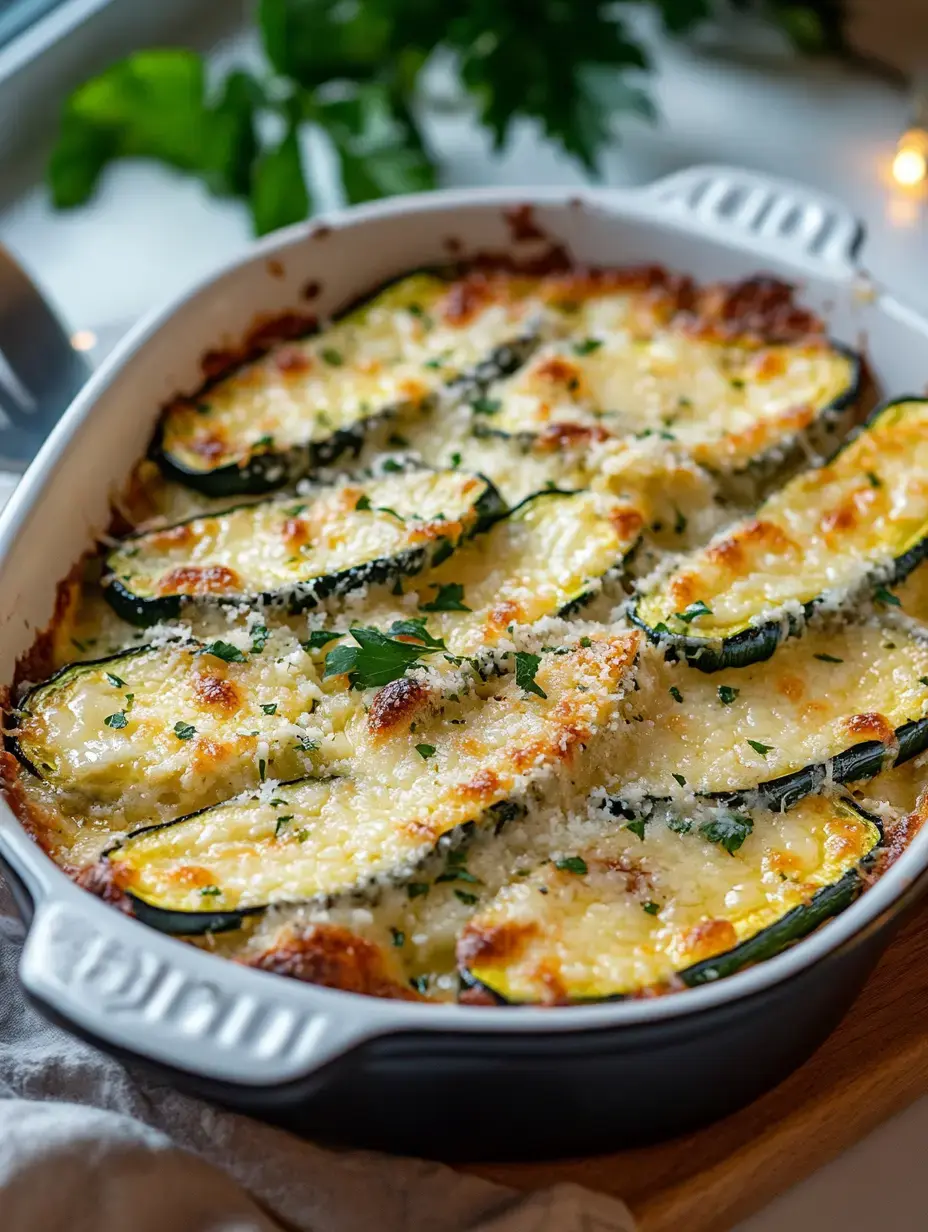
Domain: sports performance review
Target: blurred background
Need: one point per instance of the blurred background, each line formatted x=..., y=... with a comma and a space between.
x=142, y=143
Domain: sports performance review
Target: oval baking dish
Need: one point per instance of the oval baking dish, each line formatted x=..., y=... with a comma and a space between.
x=390, y=1072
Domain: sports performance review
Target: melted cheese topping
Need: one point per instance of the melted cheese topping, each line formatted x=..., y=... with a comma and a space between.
x=274, y=546
x=825, y=533
x=724, y=404
x=166, y=730
x=622, y=913
x=397, y=349
x=801, y=706
x=327, y=837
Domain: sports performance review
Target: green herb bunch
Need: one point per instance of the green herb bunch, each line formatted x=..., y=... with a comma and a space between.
x=351, y=69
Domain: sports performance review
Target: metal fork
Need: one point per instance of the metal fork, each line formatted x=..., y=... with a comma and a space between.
x=40, y=371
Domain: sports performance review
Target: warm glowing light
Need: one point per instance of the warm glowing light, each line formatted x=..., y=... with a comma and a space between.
x=910, y=165
x=84, y=340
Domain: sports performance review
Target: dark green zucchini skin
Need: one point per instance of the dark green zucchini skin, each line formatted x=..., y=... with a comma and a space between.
x=148, y=610
x=62, y=674
x=756, y=644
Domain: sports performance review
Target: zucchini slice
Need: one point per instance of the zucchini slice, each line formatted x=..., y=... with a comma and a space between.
x=549, y=556
x=859, y=520
x=840, y=703
x=299, y=551
x=470, y=760
x=306, y=402
x=161, y=730
x=618, y=915
x=727, y=404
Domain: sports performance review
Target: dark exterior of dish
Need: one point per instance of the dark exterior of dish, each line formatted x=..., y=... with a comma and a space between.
x=461, y=1095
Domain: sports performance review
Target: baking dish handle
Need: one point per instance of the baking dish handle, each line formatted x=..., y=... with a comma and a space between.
x=762, y=212
x=136, y=992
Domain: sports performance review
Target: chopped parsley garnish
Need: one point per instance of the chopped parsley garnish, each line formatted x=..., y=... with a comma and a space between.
x=680, y=524
x=449, y=599
x=269, y=707
x=277, y=802
x=224, y=650
x=572, y=864
x=763, y=749
x=265, y=441
x=396, y=441
x=923, y=680
x=399, y=938
x=526, y=667
x=210, y=891
x=486, y=406
x=184, y=731
x=319, y=638
x=116, y=681
x=675, y=693
x=281, y=822
x=827, y=658
x=465, y=897
x=259, y=636
x=392, y=512
x=295, y=510
x=680, y=779
x=425, y=751
x=882, y=595
x=415, y=627
x=375, y=660
x=737, y=383
x=390, y=466
x=728, y=829
x=363, y=503
x=693, y=611
x=586, y=642
x=417, y=889
x=116, y=720
x=637, y=827
x=651, y=908
x=455, y=460
x=587, y=346
x=660, y=627
x=727, y=694
x=332, y=357
x=420, y=983
x=875, y=480
x=262, y=769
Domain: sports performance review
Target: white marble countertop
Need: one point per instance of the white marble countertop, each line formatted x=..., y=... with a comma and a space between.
x=149, y=232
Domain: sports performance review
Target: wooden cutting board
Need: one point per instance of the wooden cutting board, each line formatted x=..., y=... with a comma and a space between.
x=874, y=1065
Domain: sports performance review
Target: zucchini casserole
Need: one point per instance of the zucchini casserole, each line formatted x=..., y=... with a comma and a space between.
x=515, y=638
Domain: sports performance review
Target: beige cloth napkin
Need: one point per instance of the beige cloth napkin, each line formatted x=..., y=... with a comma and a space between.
x=86, y=1146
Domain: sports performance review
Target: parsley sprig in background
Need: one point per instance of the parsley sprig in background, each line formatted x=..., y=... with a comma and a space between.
x=352, y=69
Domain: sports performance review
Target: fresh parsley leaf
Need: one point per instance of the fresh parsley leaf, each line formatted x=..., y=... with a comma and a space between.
x=363, y=503
x=259, y=636
x=587, y=346
x=332, y=357
x=417, y=889
x=637, y=827
x=691, y=613
x=572, y=864
x=728, y=829
x=882, y=595
x=116, y=681
x=526, y=667
x=442, y=551
x=392, y=512
x=680, y=779
x=675, y=693
x=116, y=720
x=281, y=822
x=269, y=707
x=923, y=680
x=455, y=460
x=184, y=731
x=262, y=769
x=420, y=983
x=390, y=466
x=651, y=908
x=425, y=751
x=875, y=480
x=827, y=658
x=763, y=749
x=465, y=897
x=210, y=891
x=415, y=627
x=727, y=694
x=486, y=406
x=449, y=599
x=375, y=661
x=319, y=638
x=223, y=650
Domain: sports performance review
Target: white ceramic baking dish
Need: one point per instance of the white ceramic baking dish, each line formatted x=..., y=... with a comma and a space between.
x=436, y=1079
